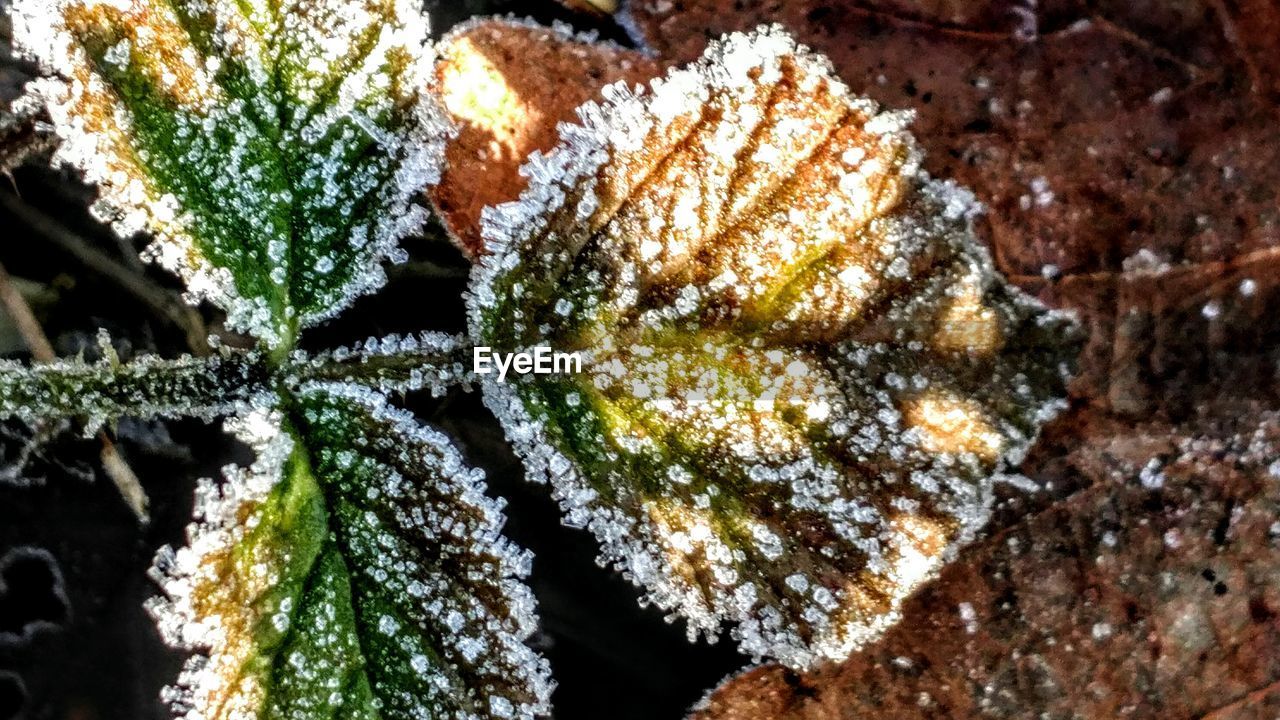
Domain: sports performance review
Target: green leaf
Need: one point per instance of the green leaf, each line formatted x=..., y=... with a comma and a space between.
x=356, y=571
x=801, y=370
x=273, y=149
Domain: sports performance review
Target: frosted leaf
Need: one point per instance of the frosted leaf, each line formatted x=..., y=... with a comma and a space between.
x=392, y=364
x=146, y=387
x=802, y=370
x=408, y=513
x=273, y=149
x=355, y=571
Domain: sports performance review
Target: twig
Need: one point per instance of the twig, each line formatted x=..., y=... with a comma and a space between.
x=113, y=463
x=162, y=302
x=24, y=319
x=117, y=468
x=1133, y=38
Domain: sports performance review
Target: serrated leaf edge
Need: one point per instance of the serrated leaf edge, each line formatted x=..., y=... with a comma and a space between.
x=136, y=206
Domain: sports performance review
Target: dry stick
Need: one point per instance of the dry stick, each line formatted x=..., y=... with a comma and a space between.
x=112, y=462
x=163, y=302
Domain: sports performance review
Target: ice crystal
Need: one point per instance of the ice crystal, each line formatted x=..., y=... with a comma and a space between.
x=273, y=149
x=356, y=570
x=803, y=369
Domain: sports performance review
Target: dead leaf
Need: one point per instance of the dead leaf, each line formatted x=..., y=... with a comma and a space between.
x=1127, y=154
x=593, y=7
x=1088, y=140
x=1155, y=331
x=1153, y=593
x=506, y=84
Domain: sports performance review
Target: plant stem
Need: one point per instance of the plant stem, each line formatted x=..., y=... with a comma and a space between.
x=24, y=319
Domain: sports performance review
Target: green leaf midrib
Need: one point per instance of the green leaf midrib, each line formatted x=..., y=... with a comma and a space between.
x=291, y=160
x=333, y=501
x=283, y=152
x=302, y=470
x=275, y=133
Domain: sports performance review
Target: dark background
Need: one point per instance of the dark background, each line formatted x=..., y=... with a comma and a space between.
x=75, y=642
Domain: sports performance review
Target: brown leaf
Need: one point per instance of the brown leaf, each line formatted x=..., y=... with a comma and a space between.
x=802, y=369
x=506, y=84
x=592, y=7
x=1155, y=332
x=1153, y=593
x=1088, y=140
x=1127, y=154
x=1128, y=157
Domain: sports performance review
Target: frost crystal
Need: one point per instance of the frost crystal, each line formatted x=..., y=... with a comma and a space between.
x=296, y=583
x=147, y=387
x=803, y=369
x=273, y=149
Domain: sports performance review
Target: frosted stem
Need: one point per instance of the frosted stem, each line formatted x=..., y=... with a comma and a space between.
x=147, y=387
x=431, y=361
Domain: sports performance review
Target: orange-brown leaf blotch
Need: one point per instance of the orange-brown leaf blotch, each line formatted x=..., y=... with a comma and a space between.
x=506, y=84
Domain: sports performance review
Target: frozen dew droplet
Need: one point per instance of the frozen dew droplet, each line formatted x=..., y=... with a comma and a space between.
x=394, y=364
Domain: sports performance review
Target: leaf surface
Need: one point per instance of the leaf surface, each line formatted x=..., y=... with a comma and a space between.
x=356, y=571
x=1101, y=135
x=273, y=149
x=1126, y=153
x=1150, y=593
x=801, y=367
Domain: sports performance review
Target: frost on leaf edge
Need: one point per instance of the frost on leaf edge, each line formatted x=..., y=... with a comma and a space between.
x=136, y=207
x=586, y=148
x=219, y=526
